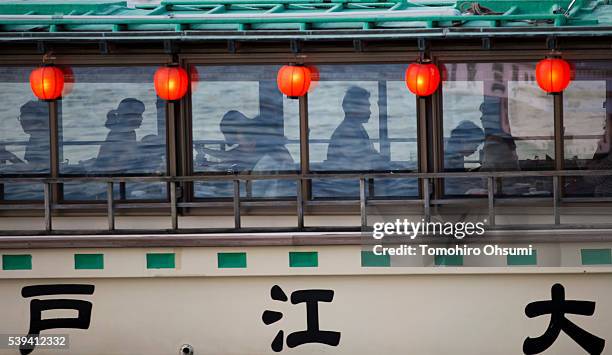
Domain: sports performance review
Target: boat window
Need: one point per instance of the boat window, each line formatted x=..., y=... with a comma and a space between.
x=112, y=123
x=587, y=117
x=242, y=123
x=496, y=118
x=24, y=133
x=362, y=118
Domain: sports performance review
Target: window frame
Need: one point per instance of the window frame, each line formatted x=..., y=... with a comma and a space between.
x=54, y=163
x=429, y=110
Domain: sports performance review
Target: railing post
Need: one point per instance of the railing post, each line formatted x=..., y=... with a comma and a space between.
x=110, y=207
x=362, y=203
x=237, y=204
x=491, y=196
x=300, y=204
x=173, y=213
x=48, y=202
x=556, y=199
x=426, y=200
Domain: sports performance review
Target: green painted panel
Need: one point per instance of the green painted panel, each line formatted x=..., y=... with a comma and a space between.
x=231, y=260
x=369, y=259
x=89, y=261
x=596, y=256
x=303, y=259
x=17, y=262
x=522, y=260
x=160, y=261
x=448, y=260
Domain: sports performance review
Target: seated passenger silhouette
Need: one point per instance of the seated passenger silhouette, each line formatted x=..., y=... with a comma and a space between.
x=34, y=119
x=350, y=147
x=499, y=151
x=463, y=142
x=119, y=152
x=273, y=157
x=240, y=133
x=152, y=154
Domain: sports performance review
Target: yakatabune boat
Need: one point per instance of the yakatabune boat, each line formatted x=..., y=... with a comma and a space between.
x=247, y=177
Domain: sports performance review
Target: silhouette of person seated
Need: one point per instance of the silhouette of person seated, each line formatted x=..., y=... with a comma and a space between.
x=273, y=157
x=240, y=134
x=499, y=151
x=152, y=152
x=350, y=147
x=34, y=120
x=463, y=142
x=255, y=146
x=119, y=152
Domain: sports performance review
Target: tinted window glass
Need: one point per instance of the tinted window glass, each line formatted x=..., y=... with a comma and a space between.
x=587, y=117
x=112, y=123
x=24, y=133
x=242, y=124
x=362, y=118
x=495, y=118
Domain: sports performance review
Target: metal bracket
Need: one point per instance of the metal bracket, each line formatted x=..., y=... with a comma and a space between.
x=41, y=48
x=551, y=43
x=358, y=45
x=231, y=46
x=421, y=44
x=486, y=43
x=103, y=47
x=170, y=47
x=296, y=46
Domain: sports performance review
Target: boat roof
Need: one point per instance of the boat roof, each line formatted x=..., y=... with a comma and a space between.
x=307, y=19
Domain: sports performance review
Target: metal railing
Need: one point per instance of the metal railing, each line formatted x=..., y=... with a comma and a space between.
x=424, y=179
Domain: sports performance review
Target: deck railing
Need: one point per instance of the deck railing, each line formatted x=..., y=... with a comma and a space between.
x=426, y=202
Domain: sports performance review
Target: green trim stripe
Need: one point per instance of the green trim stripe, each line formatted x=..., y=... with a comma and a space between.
x=231, y=260
x=448, y=260
x=596, y=256
x=160, y=261
x=88, y=261
x=369, y=259
x=303, y=259
x=522, y=260
x=17, y=262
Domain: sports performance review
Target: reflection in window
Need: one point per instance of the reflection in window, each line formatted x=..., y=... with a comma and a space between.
x=24, y=133
x=495, y=118
x=362, y=118
x=112, y=123
x=587, y=117
x=242, y=124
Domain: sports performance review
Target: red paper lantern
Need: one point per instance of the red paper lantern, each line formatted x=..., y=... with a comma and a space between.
x=171, y=82
x=293, y=80
x=47, y=82
x=422, y=79
x=553, y=74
